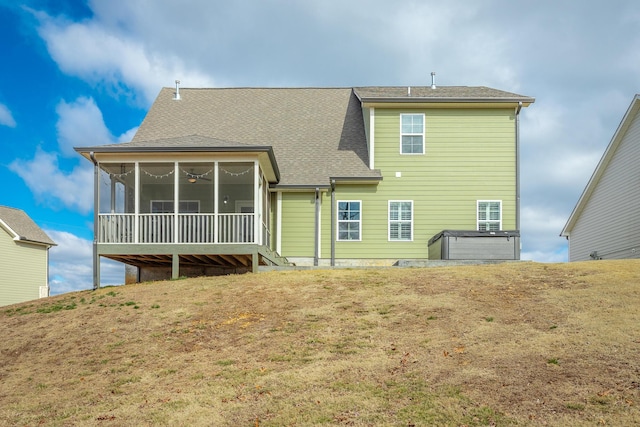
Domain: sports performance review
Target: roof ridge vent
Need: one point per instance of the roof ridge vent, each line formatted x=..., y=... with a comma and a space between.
x=433, y=80
x=177, y=97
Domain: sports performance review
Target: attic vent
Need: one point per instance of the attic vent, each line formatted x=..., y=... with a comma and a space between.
x=433, y=80
x=177, y=97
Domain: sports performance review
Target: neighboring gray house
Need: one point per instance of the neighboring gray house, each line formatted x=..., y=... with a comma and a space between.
x=24, y=258
x=605, y=224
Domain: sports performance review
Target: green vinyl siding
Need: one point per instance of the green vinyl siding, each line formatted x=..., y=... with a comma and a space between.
x=24, y=270
x=469, y=155
x=298, y=224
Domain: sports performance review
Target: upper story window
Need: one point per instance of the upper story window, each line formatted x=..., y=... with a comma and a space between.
x=400, y=220
x=349, y=219
x=411, y=133
x=489, y=215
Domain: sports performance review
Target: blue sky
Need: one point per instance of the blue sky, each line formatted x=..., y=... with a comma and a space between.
x=78, y=73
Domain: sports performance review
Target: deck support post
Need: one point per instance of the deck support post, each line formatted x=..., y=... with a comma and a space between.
x=175, y=266
x=255, y=262
x=96, y=208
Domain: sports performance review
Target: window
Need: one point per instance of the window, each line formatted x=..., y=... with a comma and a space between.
x=349, y=219
x=411, y=133
x=401, y=220
x=489, y=215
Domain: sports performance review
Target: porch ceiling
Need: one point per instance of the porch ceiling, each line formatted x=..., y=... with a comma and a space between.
x=200, y=260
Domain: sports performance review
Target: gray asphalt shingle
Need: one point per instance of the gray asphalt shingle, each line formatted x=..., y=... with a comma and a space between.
x=22, y=225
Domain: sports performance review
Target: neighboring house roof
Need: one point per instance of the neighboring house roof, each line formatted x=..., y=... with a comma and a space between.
x=21, y=227
x=618, y=137
x=317, y=134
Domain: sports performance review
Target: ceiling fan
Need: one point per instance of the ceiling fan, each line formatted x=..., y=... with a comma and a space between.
x=194, y=177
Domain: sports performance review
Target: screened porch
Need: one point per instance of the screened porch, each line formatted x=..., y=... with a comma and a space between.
x=214, y=202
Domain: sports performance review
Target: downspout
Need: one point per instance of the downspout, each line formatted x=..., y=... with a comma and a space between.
x=518, y=108
x=333, y=223
x=96, y=259
x=316, y=255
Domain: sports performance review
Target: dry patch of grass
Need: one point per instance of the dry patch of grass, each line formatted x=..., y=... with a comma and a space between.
x=509, y=344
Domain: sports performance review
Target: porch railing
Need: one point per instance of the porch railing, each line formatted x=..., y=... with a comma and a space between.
x=191, y=228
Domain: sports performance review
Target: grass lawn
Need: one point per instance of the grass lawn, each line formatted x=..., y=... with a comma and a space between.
x=505, y=344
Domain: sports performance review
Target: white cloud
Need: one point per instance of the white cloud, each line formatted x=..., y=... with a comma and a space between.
x=51, y=185
x=6, y=118
x=540, y=229
x=560, y=255
x=114, y=58
x=128, y=135
x=70, y=265
x=81, y=124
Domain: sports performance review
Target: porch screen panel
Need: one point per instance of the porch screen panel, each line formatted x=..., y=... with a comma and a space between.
x=196, y=208
x=235, y=202
x=116, y=204
x=157, y=202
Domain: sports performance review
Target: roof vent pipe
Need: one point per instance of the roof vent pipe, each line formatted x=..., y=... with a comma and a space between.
x=433, y=80
x=177, y=97
x=408, y=90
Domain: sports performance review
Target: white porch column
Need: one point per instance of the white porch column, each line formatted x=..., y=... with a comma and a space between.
x=216, y=196
x=176, y=203
x=136, y=203
x=257, y=207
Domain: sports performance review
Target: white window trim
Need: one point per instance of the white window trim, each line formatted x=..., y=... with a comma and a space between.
x=488, y=221
x=399, y=221
x=424, y=126
x=348, y=220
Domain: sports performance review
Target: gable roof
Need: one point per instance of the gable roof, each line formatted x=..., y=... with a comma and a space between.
x=618, y=136
x=316, y=134
x=21, y=227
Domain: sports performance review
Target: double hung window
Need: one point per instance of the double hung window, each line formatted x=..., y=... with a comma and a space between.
x=349, y=220
x=401, y=220
x=411, y=133
x=489, y=215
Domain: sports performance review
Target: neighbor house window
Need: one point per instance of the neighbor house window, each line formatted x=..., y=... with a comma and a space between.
x=349, y=219
x=489, y=215
x=400, y=220
x=412, y=133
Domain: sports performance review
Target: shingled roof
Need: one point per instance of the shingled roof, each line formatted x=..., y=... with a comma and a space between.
x=21, y=227
x=316, y=133
x=439, y=94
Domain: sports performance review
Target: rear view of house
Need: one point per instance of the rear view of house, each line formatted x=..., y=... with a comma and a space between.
x=24, y=258
x=225, y=180
x=605, y=223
